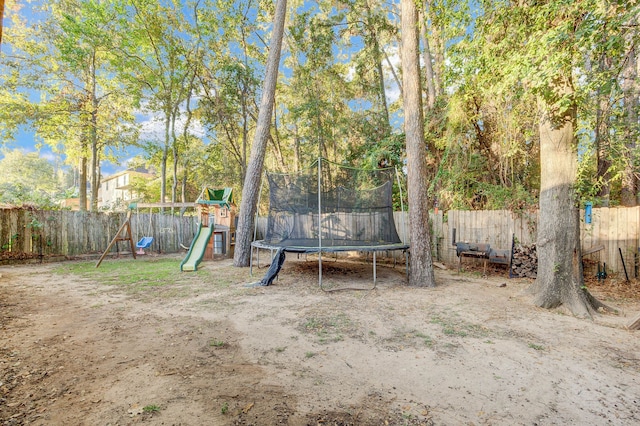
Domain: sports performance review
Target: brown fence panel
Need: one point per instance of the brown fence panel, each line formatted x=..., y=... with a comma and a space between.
x=26, y=233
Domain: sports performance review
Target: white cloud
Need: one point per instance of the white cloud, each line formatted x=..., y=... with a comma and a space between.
x=152, y=126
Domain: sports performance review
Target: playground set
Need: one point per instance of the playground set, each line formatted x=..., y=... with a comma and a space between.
x=217, y=218
x=214, y=236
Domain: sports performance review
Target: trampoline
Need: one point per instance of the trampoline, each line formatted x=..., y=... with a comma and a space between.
x=331, y=208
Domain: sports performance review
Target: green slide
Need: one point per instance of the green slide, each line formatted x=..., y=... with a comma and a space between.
x=197, y=249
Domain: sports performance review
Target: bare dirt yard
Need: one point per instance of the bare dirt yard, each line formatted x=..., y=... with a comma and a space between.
x=138, y=342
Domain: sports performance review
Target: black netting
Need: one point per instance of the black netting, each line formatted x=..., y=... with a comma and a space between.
x=356, y=208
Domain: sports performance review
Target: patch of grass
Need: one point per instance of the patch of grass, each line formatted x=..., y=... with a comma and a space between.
x=310, y=354
x=225, y=408
x=280, y=349
x=536, y=347
x=127, y=273
x=158, y=277
x=456, y=327
x=216, y=343
x=329, y=328
x=428, y=341
x=152, y=408
x=405, y=338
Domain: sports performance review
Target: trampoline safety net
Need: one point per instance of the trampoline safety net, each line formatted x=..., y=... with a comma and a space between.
x=355, y=208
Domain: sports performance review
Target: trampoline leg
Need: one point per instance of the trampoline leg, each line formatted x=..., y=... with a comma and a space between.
x=374, y=268
x=251, y=262
x=320, y=269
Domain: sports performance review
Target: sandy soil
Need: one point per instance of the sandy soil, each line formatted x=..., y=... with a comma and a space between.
x=472, y=351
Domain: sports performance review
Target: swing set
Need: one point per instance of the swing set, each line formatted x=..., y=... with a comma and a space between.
x=124, y=234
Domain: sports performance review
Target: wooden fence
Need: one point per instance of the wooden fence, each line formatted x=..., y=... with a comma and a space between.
x=612, y=235
x=27, y=233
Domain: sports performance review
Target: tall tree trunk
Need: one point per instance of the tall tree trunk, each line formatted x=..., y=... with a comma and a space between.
x=603, y=149
x=437, y=34
x=183, y=184
x=377, y=57
x=560, y=278
x=421, y=270
x=393, y=72
x=95, y=164
x=1, y=19
x=428, y=65
x=245, y=137
x=298, y=157
x=165, y=155
x=275, y=141
x=93, y=132
x=251, y=188
x=83, y=181
x=175, y=153
x=382, y=91
x=629, y=178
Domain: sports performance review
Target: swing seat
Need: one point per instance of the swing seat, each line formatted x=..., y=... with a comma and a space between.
x=145, y=242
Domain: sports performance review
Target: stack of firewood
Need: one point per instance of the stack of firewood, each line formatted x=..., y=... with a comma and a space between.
x=525, y=261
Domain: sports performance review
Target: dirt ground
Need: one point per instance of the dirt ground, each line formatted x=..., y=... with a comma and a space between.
x=214, y=351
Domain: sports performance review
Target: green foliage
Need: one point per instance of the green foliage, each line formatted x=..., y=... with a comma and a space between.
x=28, y=179
x=80, y=73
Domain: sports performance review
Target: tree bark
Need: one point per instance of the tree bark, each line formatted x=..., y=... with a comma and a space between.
x=175, y=153
x=601, y=133
x=93, y=132
x=421, y=269
x=603, y=148
x=251, y=188
x=83, y=181
x=629, y=179
x=560, y=278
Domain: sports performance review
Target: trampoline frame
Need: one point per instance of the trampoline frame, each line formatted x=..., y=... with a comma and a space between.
x=261, y=245
x=319, y=249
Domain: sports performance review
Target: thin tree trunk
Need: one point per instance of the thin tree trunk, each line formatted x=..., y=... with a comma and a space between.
x=183, y=185
x=436, y=49
x=393, y=72
x=250, y=190
x=298, y=159
x=175, y=152
x=83, y=181
x=603, y=148
x=421, y=270
x=165, y=156
x=93, y=132
x=382, y=93
x=629, y=178
x=428, y=65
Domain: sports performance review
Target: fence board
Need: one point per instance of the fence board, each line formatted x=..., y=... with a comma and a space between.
x=26, y=233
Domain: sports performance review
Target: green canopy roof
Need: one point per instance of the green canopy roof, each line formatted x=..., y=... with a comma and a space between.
x=221, y=197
